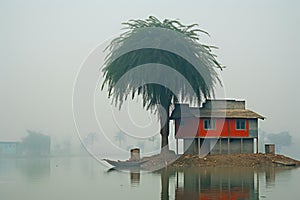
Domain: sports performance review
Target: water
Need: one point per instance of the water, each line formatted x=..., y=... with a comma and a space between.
x=84, y=178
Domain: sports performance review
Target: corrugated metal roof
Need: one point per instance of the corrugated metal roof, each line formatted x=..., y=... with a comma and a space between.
x=234, y=113
x=208, y=113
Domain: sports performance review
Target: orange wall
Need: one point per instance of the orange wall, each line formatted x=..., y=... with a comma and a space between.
x=221, y=129
x=224, y=127
x=238, y=133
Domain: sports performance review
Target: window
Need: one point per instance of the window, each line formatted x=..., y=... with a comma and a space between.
x=209, y=124
x=240, y=124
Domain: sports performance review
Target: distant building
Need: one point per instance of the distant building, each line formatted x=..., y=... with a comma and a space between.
x=9, y=148
x=218, y=127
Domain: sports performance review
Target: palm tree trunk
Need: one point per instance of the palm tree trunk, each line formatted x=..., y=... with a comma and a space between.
x=164, y=131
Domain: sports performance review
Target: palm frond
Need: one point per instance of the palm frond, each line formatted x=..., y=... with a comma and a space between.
x=201, y=74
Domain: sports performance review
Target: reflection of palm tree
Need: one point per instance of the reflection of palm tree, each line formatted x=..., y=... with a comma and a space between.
x=90, y=139
x=164, y=177
x=156, y=94
x=120, y=137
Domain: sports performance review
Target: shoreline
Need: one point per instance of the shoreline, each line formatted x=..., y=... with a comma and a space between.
x=254, y=160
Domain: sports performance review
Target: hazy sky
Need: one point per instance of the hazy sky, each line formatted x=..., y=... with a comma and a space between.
x=44, y=43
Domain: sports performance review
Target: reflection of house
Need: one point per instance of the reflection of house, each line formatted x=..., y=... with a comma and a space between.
x=9, y=148
x=223, y=184
x=218, y=127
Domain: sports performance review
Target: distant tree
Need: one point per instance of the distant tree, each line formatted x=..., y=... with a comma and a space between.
x=90, y=139
x=120, y=137
x=36, y=144
x=67, y=146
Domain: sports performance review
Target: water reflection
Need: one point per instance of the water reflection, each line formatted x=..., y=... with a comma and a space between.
x=270, y=177
x=30, y=168
x=209, y=183
x=83, y=177
x=34, y=168
x=135, y=178
x=217, y=183
x=165, y=178
x=135, y=175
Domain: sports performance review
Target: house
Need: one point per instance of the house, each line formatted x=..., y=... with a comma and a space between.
x=9, y=148
x=218, y=127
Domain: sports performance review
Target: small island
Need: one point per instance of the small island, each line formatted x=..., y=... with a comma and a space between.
x=259, y=160
x=221, y=133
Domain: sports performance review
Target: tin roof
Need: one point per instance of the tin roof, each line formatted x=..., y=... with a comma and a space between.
x=184, y=111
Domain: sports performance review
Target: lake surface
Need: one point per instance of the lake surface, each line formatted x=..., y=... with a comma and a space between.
x=83, y=178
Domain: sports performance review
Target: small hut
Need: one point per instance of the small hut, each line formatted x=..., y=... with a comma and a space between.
x=218, y=127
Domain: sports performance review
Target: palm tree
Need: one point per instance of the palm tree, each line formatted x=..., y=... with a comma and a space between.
x=195, y=63
x=120, y=137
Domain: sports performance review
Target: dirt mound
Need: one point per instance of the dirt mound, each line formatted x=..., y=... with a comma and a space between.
x=233, y=160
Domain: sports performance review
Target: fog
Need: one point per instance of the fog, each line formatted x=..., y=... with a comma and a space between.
x=44, y=44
